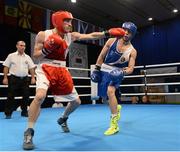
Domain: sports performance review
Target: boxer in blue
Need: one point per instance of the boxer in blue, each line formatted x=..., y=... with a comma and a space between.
x=116, y=59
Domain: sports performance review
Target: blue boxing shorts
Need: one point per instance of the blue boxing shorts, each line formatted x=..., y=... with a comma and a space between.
x=106, y=81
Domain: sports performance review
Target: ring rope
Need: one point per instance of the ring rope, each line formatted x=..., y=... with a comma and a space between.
x=161, y=84
x=163, y=74
x=132, y=85
x=123, y=85
x=163, y=93
x=161, y=65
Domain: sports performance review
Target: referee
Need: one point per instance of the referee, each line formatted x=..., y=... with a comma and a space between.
x=18, y=65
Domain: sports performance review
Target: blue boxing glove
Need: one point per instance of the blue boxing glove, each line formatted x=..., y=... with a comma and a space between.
x=117, y=75
x=96, y=74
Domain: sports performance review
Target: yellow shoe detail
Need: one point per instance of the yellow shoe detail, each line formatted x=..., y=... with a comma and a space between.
x=119, y=111
x=113, y=126
x=111, y=131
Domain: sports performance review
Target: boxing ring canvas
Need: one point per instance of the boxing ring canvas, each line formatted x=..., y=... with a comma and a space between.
x=142, y=128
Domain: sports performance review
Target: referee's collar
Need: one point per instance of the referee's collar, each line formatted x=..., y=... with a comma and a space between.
x=20, y=54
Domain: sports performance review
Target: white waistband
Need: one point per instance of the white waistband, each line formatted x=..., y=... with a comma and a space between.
x=108, y=68
x=56, y=63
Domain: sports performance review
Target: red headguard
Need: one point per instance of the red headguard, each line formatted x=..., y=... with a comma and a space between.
x=58, y=18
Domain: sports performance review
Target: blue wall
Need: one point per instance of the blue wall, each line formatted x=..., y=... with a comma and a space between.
x=159, y=43
x=155, y=44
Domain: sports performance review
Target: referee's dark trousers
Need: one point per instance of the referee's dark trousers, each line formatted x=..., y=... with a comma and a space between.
x=17, y=86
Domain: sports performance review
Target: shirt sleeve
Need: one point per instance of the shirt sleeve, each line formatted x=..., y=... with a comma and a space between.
x=31, y=63
x=7, y=62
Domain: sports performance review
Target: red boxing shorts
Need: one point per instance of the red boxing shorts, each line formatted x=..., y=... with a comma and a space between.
x=60, y=79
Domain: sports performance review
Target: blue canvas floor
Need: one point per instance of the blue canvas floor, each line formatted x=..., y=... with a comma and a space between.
x=142, y=128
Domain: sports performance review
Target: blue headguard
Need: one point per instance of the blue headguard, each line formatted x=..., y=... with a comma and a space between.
x=131, y=27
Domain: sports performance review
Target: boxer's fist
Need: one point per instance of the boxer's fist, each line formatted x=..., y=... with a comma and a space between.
x=115, y=32
x=116, y=75
x=96, y=74
x=52, y=43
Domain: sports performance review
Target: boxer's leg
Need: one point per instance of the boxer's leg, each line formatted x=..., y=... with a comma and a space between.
x=42, y=85
x=72, y=106
x=115, y=111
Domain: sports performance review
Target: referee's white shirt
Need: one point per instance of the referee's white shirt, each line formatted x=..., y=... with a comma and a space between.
x=19, y=65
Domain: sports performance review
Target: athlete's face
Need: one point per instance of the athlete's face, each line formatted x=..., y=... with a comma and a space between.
x=128, y=35
x=21, y=47
x=67, y=25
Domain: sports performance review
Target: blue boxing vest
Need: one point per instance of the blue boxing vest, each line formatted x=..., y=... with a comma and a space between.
x=113, y=60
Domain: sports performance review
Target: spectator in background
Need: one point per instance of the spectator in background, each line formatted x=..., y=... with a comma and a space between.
x=145, y=100
x=18, y=65
x=134, y=100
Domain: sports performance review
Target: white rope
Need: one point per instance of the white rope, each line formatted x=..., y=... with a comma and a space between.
x=146, y=66
x=161, y=84
x=123, y=94
x=49, y=96
x=139, y=67
x=132, y=94
x=81, y=95
x=5, y=98
x=131, y=85
x=134, y=76
x=164, y=93
x=3, y=86
x=82, y=86
x=81, y=69
x=81, y=78
x=130, y=76
x=34, y=86
x=150, y=84
x=151, y=94
x=162, y=65
x=163, y=74
x=123, y=85
x=84, y=95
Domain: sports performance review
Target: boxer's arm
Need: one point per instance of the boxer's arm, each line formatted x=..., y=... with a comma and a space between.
x=5, y=71
x=91, y=36
x=32, y=72
x=39, y=44
x=115, y=32
x=130, y=68
x=104, y=51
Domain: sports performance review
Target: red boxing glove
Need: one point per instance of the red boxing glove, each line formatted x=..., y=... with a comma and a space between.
x=52, y=43
x=116, y=32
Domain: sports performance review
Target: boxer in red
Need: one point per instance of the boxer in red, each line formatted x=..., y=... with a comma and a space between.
x=51, y=48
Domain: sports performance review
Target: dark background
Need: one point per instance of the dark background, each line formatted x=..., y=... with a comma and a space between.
x=157, y=43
